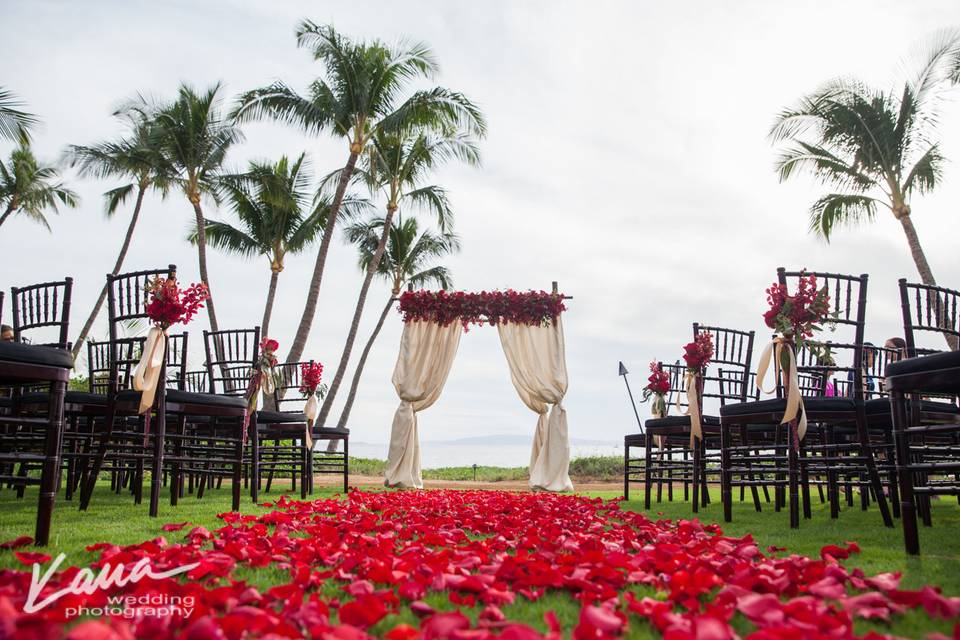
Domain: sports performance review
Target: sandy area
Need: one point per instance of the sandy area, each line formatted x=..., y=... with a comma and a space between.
x=507, y=485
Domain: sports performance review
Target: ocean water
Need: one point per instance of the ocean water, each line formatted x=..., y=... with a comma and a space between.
x=437, y=455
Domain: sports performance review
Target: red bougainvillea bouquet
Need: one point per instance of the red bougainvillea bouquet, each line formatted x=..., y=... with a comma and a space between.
x=797, y=317
x=495, y=307
x=698, y=354
x=658, y=386
x=168, y=304
x=310, y=374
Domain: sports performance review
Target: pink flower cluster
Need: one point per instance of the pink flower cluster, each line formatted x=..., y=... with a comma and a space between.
x=494, y=307
x=362, y=567
x=658, y=382
x=167, y=304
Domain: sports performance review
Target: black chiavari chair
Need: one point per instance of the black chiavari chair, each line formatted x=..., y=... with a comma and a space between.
x=923, y=390
x=826, y=452
x=35, y=440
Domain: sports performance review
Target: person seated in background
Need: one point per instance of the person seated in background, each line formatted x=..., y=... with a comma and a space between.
x=899, y=345
x=6, y=333
x=868, y=369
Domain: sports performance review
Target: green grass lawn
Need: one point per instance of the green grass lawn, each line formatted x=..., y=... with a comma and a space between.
x=116, y=519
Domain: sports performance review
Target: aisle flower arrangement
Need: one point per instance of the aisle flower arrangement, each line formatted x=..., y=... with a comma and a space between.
x=311, y=389
x=658, y=386
x=796, y=319
x=166, y=305
x=696, y=355
x=486, y=307
x=366, y=567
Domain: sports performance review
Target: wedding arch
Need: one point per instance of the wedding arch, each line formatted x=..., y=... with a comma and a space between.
x=531, y=334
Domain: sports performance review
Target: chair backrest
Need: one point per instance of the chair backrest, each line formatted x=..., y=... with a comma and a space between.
x=196, y=381
x=928, y=310
x=848, y=305
x=43, y=305
x=127, y=298
x=677, y=393
x=231, y=356
x=287, y=395
x=733, y=352
x=128, y=351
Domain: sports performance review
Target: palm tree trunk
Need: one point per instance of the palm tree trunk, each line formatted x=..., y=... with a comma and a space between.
x=919, y=258
x=355, y=325
x=268, y=309
x=202, y=257
x=310, y=307
x=351, y=396
x=6, y=214
x=926, y=274
x=116, y=269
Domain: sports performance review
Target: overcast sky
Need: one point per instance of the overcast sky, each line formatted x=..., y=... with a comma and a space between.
x=627, y=159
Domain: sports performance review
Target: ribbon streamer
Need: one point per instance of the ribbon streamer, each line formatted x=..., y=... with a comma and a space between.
x=311, y=409
x=794, y=406
x=693, y=407
x=146, y=377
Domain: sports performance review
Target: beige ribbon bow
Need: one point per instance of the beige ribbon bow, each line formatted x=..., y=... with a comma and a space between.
x=693, y=407
x=311, y=409
x=146, y=378
x=794, y=398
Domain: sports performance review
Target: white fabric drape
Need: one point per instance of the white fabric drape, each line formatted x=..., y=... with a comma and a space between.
x=538, y=368
x=426, y=355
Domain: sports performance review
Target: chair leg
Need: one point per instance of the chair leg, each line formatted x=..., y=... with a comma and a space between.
x=159, y=441
x=346, y=465
x=726, y=495
x=176, y=473
x=86, y=492
x=696, y=476
x=805, y=483
x=304, y=467
x=626, y=471
x=51, y=463
x=647, y=469
x=793, y=474
x=254, y=441
x=235, y=485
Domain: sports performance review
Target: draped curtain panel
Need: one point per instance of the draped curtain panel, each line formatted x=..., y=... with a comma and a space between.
x=538, y=369
x=427, y=351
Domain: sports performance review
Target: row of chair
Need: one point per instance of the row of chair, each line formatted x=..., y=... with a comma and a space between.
x=196, y=432
x=858, y=437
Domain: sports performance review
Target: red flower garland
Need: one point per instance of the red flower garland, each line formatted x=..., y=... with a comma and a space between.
x=167, y=304
x=697, y=354
x=495, y=307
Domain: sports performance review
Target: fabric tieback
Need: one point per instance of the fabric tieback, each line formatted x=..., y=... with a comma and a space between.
x=260, y=379
x=146, y=377
x=794, y=406
x=311, y=409
x=693, y=407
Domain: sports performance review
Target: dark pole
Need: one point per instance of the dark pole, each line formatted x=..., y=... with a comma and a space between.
x=623, y=374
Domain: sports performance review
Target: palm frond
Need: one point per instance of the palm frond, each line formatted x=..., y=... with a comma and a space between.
x=840, y=210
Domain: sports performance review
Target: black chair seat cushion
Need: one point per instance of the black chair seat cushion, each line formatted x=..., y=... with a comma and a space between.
x=779, y=405
x=672, y=422
x=188, y=397
x=279, y=417
x=882, y=406
x=71, y=397
x=31, y=354
x=924, y=364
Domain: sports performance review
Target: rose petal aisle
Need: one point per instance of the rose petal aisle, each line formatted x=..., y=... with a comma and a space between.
x=367, y=564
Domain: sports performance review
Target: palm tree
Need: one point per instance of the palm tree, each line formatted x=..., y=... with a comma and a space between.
x=397, y=165
x=31, y=188
x=359, y=96
x=277, y=217
x=195, y=137
x=410, y=257
x=136, y=158
x=871, y=147
x=15, y=124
